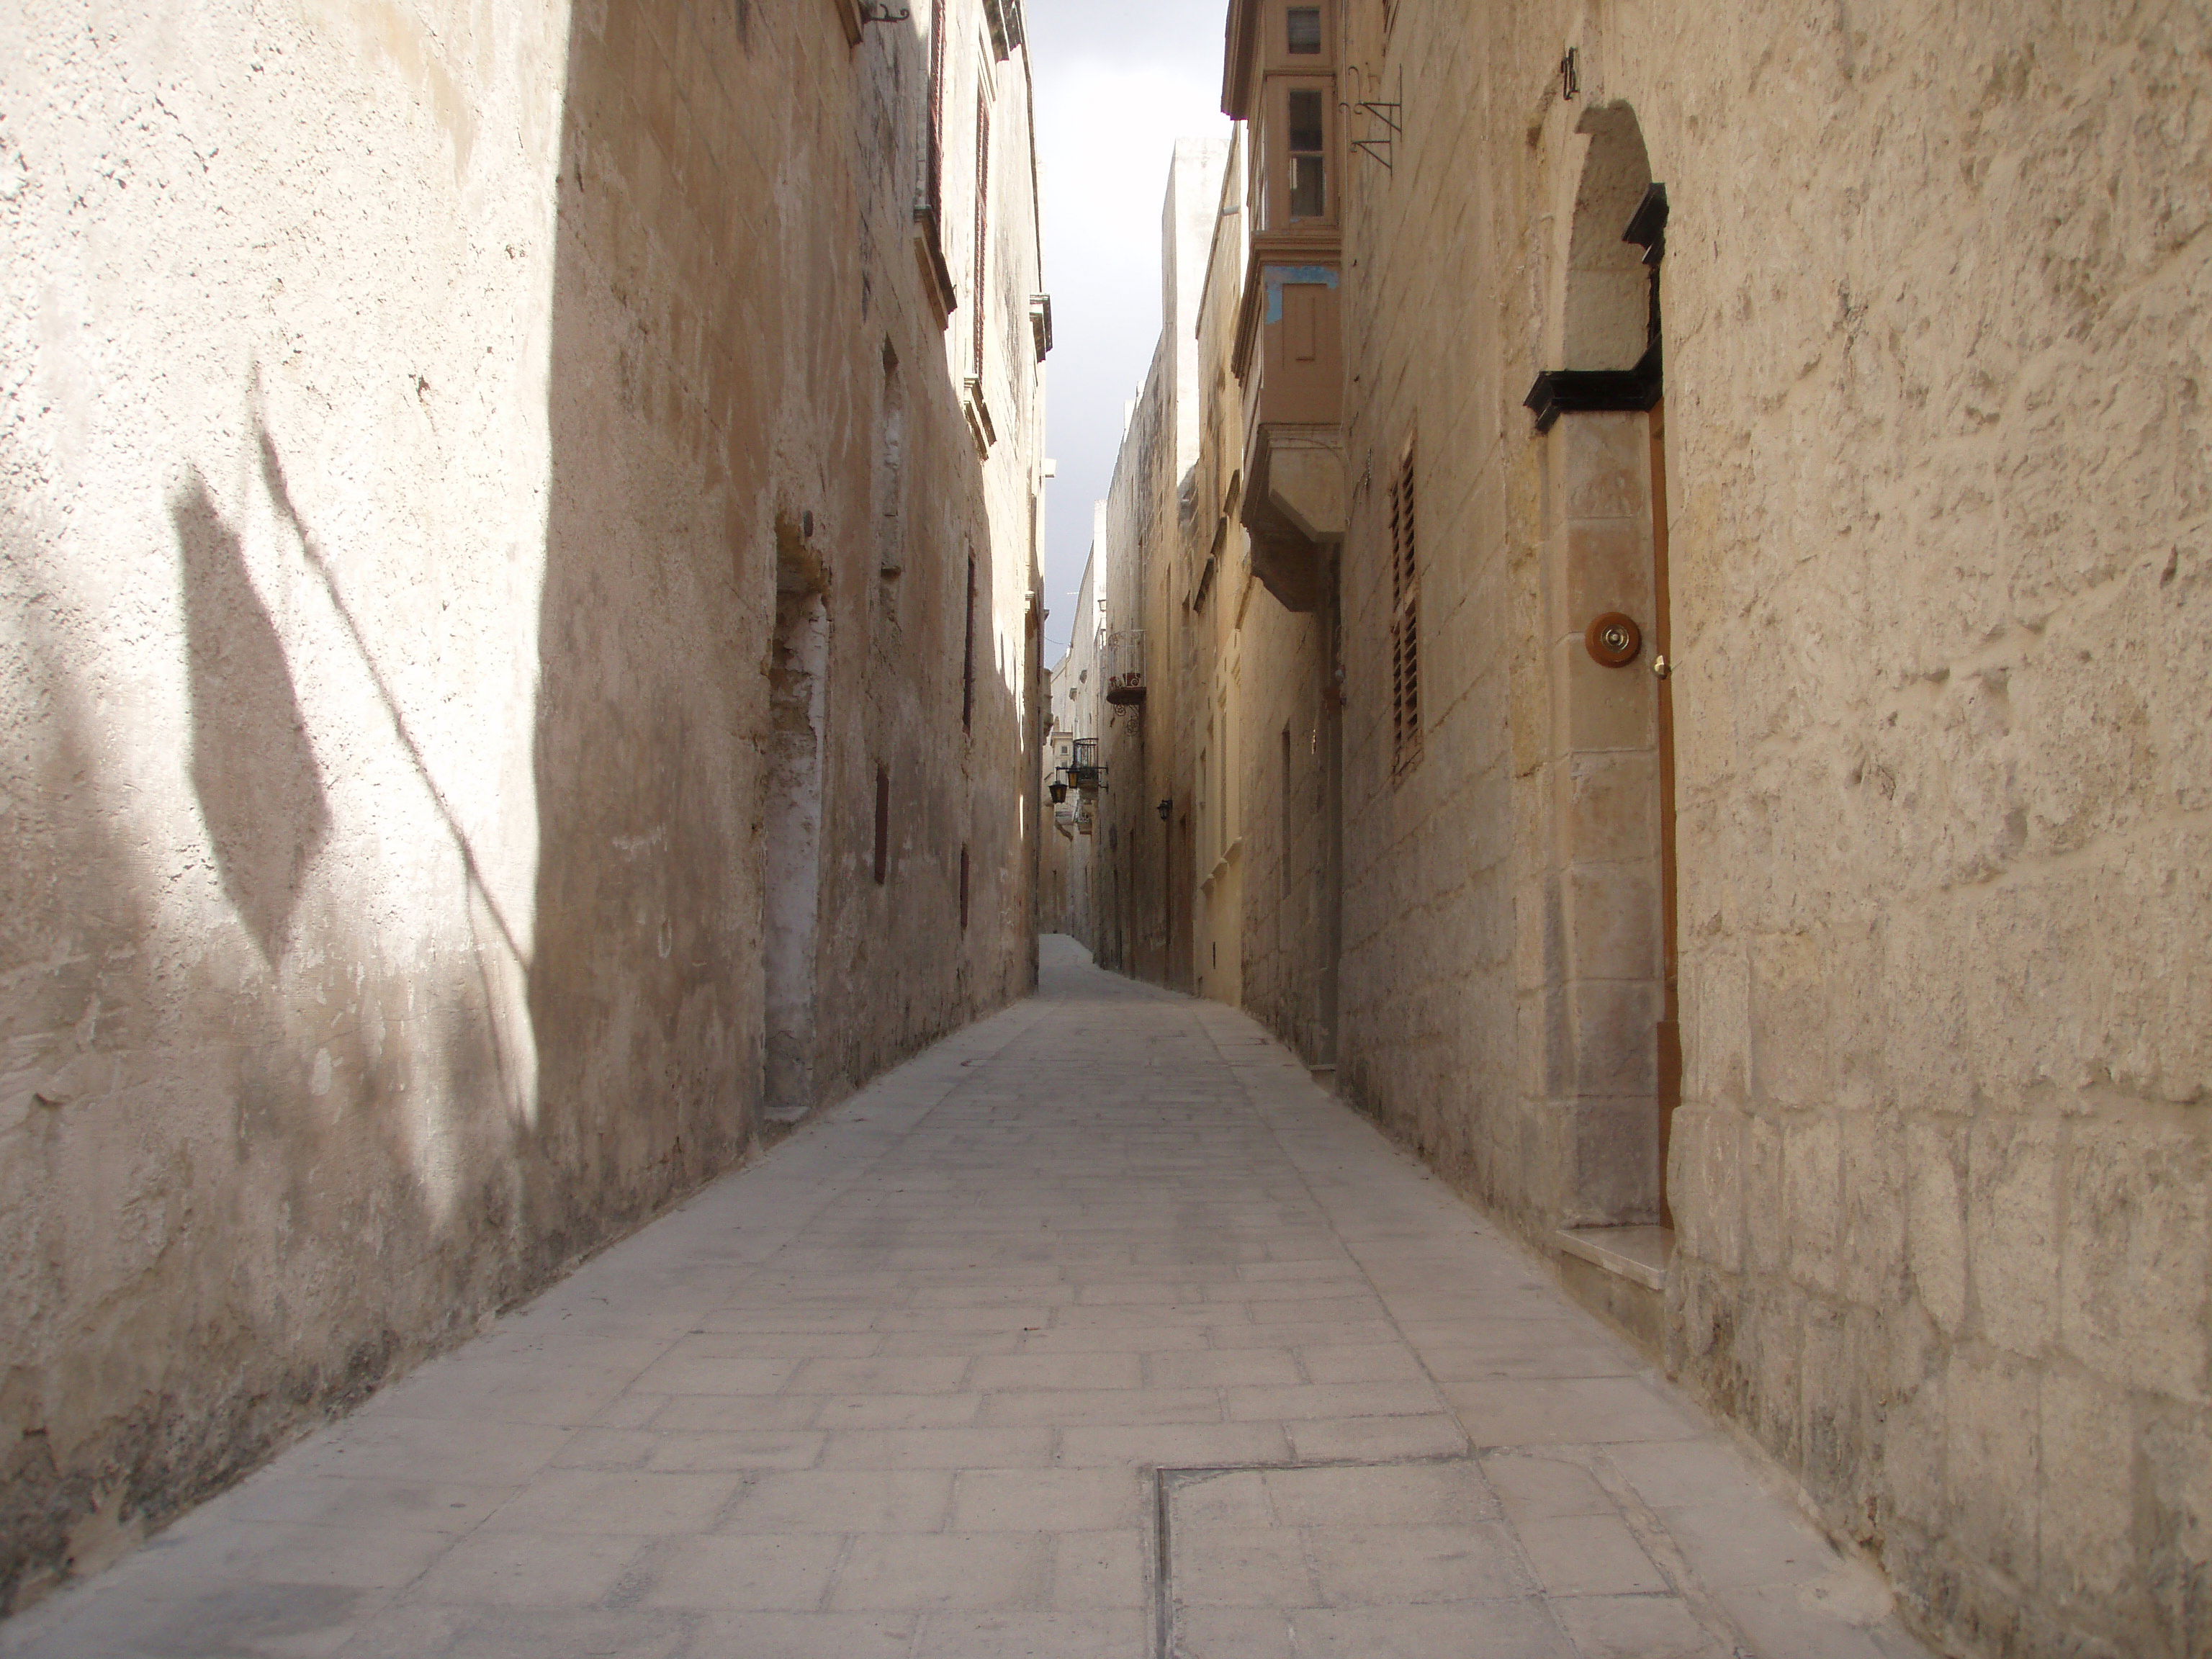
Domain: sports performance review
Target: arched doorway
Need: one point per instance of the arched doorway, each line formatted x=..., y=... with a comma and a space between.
x=794, y=757
x=1613, y=991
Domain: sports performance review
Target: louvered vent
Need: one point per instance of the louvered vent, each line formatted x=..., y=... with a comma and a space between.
x=1405, y=624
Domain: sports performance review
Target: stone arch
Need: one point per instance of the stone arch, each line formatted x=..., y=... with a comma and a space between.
x=1605, y=321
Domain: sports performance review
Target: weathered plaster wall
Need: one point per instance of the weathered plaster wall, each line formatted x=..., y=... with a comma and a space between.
x=1936, y=455
x=405, y=407
x=918, y=647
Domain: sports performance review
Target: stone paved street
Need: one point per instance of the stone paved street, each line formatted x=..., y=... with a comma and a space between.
x=902, y=1389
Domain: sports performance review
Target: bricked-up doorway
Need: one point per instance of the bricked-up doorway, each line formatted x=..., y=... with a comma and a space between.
x=791, y=890
x=1611, y=992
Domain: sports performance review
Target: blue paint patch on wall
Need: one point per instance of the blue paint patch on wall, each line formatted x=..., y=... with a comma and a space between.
x=1276, y=276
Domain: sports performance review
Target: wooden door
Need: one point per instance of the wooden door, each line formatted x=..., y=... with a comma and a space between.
x=1669, y=1032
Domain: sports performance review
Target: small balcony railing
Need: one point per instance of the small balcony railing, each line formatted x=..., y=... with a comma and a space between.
x=1085, y=774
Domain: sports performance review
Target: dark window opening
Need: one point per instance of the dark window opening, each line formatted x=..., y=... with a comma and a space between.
x=1305, y=30
x=963, y=889
x=882, y=824
x=968, y=657
x=1309, y=185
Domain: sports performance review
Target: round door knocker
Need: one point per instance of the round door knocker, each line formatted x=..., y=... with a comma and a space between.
x=1613, y=640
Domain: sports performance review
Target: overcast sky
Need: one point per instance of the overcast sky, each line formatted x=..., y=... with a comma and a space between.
x=1116, y=85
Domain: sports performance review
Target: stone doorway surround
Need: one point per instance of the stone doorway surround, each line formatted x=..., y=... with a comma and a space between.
x=795, y=762
x=1611, y=1066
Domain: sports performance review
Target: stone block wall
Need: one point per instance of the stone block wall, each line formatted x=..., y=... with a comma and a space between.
x=1940, y=1176
x=1948, y=1171
x=413, y=412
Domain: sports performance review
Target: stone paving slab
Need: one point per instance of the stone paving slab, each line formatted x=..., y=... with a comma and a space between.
x=1099, y=1331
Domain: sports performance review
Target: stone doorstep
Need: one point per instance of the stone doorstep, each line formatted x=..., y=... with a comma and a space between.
x=1640, y=1254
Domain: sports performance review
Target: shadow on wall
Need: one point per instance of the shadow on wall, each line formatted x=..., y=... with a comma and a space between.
x=474, y=1049
x=277, y=1125
x=72, y=928
x=379, y=1100
x=252, y=767
x=264, y=1116
x=647, y=895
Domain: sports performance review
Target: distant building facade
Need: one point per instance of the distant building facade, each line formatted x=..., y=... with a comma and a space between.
x=1673, y=567
x=1065, y=875
x=518, y=532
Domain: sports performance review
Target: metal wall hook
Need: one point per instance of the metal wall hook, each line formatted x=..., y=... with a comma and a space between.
x=876, y=12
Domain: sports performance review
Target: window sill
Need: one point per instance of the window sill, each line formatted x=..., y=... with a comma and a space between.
x=1221, y=865
x=936, y=275
x=979, y=419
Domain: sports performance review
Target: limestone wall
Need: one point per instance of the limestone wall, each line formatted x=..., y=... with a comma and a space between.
x=1933, y=291
x=1130, y=903
x=1146, y=882
x=1079, y=710
x=1066, y=861
x=412, y=413
x=1934, y=499
x=1258, y=678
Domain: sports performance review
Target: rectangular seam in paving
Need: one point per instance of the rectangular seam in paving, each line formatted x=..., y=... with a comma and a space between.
x=1164, y=1483
x=1369, y=1544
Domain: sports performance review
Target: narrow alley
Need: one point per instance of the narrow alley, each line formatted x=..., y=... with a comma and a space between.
x=1098, y=1330
x=1228, y=830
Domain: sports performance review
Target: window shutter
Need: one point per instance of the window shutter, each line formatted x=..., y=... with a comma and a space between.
x=968, y=656
x=1405, y=623
x=982, y=217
